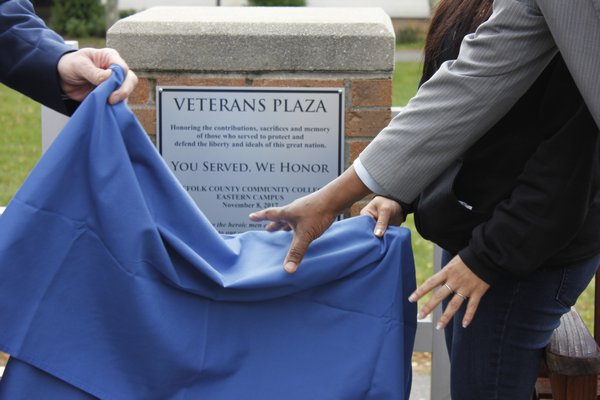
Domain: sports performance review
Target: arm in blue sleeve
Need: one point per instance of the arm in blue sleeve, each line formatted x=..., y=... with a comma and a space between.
x=29, y=54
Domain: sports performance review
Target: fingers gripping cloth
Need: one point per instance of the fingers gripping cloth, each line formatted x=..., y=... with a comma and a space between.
x=114, y=285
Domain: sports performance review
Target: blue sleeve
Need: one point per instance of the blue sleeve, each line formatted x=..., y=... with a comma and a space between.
x=29, y=54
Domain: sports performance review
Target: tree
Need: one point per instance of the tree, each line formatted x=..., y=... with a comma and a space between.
x=78, y=18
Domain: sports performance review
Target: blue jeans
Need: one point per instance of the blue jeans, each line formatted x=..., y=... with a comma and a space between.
x=498, y=355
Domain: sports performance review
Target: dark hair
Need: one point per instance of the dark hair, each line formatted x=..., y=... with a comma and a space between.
x=460, y=16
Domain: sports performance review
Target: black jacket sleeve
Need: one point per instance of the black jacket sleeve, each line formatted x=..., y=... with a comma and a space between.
x=546, y=209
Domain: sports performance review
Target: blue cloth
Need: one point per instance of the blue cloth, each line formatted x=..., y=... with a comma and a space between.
x=112, y=281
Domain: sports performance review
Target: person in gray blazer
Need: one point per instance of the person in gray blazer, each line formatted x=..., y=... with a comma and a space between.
x=521, y=207
x=461, y=102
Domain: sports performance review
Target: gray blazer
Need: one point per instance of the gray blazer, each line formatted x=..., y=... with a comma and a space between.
x=466, y=97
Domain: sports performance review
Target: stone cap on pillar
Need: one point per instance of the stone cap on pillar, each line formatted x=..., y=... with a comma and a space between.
x=256, y=39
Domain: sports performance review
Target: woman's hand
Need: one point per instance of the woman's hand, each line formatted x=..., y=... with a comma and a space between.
x=385, y=211
x=311, y=215
x=458, y=281
x=307, y=216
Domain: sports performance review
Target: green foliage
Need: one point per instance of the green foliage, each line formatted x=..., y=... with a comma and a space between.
x=126, y=13
x=408, y=35
x=277, y=3
x=78, y=18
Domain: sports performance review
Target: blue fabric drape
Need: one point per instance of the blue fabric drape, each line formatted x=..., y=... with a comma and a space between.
x=114, y=284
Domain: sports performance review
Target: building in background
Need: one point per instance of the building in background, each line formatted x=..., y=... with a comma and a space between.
x=407, y=15
x=417, y=9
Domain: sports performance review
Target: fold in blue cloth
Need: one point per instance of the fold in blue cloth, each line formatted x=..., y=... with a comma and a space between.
x=115, y=285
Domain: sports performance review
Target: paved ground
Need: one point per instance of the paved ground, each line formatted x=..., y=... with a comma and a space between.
x=420, y=387
x=408, y=55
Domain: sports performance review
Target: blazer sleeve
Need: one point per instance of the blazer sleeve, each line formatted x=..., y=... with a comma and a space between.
x=462, y=101
x=29, y=54
x=575, y=26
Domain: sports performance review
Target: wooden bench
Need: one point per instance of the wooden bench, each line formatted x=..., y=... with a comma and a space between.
x=572, y=359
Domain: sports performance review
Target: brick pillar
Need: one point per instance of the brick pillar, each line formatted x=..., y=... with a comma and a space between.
x=351, y=48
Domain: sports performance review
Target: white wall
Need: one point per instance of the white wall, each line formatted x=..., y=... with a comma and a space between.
x=395, y=8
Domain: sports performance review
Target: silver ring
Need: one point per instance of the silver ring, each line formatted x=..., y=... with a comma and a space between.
x=462, y=295
x=449, y=288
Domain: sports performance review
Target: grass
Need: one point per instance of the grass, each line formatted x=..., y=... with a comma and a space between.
x=20, y=140
x=20, y=148
x=404, y=81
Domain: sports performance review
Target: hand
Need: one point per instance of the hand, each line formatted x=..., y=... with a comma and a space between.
x=385, y=211
x=308, y=217
x=454, y=279
x=311, y=215
x=81, y=71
